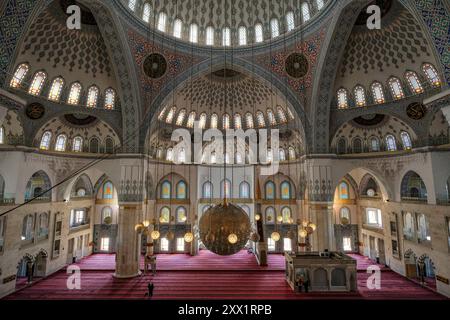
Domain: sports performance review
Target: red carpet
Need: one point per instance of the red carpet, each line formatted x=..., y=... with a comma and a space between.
x=219, y=280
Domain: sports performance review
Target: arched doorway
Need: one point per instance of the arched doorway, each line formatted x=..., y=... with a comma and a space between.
x=25, y=270
x=40, y=264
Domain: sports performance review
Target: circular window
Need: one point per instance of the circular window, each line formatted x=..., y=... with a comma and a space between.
x=370, y=192
x=81, y=192
x=155, y=65
x=297, y=65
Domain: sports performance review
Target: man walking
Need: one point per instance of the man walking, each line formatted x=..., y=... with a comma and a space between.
x=150, y=288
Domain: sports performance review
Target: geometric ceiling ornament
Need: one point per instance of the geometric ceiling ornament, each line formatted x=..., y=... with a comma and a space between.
x=297, y=65
x=79, y=119
x=35, y=111
x=369, y=120
x=224, y=229
x=155, y=65
x=416, y=111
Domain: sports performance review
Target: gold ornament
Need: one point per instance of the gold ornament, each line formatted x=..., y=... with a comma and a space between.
x=313, y=226
x=257, y=217
x=188, y=237
x=280, y=218
x=232, y=238
x=155, y=235
x=146, y=223
x=139, y=227
x=303, y=233
x=275, y=236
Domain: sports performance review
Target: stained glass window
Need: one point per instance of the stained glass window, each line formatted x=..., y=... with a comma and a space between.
x=55, y=90
x=132, y=4
x=342, y=98
x=259, y=33
x=226, y=121
x=249, y=120
x=92, y=97
x=281, y=114
x=37, y=83
x=207, y=189
x=290, y=21
x=193, y=33
x=202, y=121
x=244, y=190
x=242, y=36
x=274, y=28
x=180, y=117
x=61, y=143
x=396, y=88
x=166, y=190
x=374, y=144
x=171, y=114
x=406, y=140
x=286, y=213
x=305, y=12
x=285, y=190
x=45, y=140
x=271, y=117
x=390, y=143
x=225, y=186
x=377, y=91
x=237, y=121
x=162, y=22
x=360, y=96
x=226, y=37
x=108, y=190
x=74, y=94
x=270, y=215
x=214, y=120
x=177, y=28
x=260, y=119
x=164, y=216
x=110, y=97
x=19, y=75
x=191, y=119
x=414, y=82
x=344, y=191
x=181, y=215
x=77, y=144
x=209, y=36
x=270, y=190
x=432, y=75
x=146, y=12
x=181, y=190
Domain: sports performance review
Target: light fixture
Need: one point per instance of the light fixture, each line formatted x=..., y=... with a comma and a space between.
x=188, y=237
x=183, y=218
x=155, y=235
x=275, y=236
x=161, y=219
x=257, y=217
x=146, y=223
x=280, y=218
x=303, y=233
x=139, y=227
x=312, y=226
x=232, y=238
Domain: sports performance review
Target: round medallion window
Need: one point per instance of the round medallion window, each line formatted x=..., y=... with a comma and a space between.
x=297, y=65
x=81, y=192
x=370, y=192
x=155, y=65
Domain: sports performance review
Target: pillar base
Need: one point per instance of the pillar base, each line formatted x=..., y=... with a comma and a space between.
x=139, y=273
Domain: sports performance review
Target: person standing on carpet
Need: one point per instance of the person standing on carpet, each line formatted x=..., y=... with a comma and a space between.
x=153, y=263
x=150, y=288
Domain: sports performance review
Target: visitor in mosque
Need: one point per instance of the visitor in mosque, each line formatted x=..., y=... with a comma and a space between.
x=153, y=263
x=150, y=287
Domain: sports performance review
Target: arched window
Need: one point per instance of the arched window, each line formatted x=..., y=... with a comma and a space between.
x=281, y=114
x=94, y=145
x=19, y=75
x=164, y=215
x=108, y=190
x=43, y=225
x=319, y=4
x=344, y=191
x=271, y=117
x=391, y=145
x=2, y=135
x=269, y=155
x=177, y=28
x=360, y=96
x=242, y=36
x=408, y=226
x=132, y=4
x=109, y=145
x=226, y=121
x=269, y=190
x=285, y=190
x=146, y=12
x=55, y=90
x=207, y=190
x=77, y=145
x=169, y=154
x=377, y=91
x=306, y=14
x=214, y=120
x=61, y=143
x=244, y=190
x=412, y=186
x=193, y=33
x=342, y=98
x=414, y=82
x=162, y=22
x=237, y=121
x=110, y=97
x=92, y=97
x=292, y=154
x=260, y=119
x=249, y=120
x=28, y=228
x=74, y=94
x=181, y=190
x=106, y=213
x=274, y=28
x=226, y=37
x=357, y=145
x=374, y=144
x=210, y=36
x=259, y=37
x=344, y=214
x=171, y=114
x=202, y=121
x=191, y=119
x=282, y=154
x=181, y=215
x=166, y=190
x=406, y=140
x=422, y=228
x=225, y=189
x=239, y=159
x=37, y=83
x=396, y=88
x=290, y=21
x=180, y=117
x=286, y=213
x=45, y=140
x=270, y=215
x=431, y=74
x=341, y=146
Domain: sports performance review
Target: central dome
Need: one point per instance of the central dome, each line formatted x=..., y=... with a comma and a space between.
x=224, y=229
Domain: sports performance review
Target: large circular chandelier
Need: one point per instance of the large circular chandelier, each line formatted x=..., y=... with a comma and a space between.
x=224, y=229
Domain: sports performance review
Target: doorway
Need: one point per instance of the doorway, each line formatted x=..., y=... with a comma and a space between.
x=70, y=253
x=40, y=266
